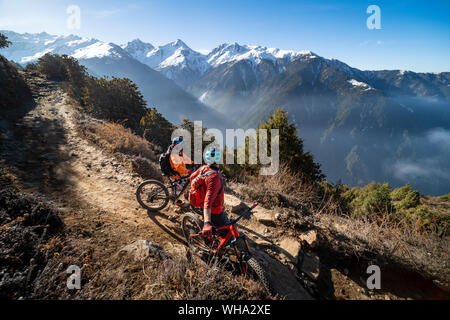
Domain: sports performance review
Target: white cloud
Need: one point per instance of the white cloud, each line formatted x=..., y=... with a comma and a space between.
x=408, y=170
x=439, y=136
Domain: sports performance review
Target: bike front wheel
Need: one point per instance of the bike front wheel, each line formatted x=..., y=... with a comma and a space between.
x=192, y=227
x=152, y=195
x=257, y=273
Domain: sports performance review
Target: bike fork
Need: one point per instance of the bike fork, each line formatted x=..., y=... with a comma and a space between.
x=242, y=264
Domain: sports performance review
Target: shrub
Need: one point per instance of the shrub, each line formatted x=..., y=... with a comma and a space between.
x=145, y=168
x=445, y=197
x=62, y=68
x=373, y=198
x=116, y=138
x=423, y=219
x=14, y=91
x=406, y=197
x=115, y=100
x=31, y=67
x=52, y=67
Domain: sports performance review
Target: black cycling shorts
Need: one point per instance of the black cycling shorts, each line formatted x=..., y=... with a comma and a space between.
x=219, y=220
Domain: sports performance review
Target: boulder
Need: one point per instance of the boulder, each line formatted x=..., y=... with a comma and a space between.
x=235, y=204
x=142, y=249
x=290, y=248
x=264, y=216
x=310, y=237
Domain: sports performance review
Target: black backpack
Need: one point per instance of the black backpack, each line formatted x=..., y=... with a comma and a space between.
x=164, y=164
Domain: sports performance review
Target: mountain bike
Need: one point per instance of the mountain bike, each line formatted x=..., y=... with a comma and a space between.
x=227, y=246
x=154, y=195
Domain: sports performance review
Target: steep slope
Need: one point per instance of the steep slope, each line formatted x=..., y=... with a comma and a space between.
x=94, y=191
x=172, y=101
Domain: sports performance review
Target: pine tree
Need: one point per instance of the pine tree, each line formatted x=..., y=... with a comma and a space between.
x=156, y=128
x=291, y=146
x=4, y=41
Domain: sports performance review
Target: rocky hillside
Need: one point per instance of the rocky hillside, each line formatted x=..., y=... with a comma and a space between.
x=60, y=163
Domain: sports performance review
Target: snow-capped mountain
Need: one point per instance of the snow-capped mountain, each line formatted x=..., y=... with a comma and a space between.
x=227, y=53
x=138, y=49
x=30, y=47
x=108, y=59
x=175, y=60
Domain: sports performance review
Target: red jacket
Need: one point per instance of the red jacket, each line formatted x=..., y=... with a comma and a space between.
x=214, y=189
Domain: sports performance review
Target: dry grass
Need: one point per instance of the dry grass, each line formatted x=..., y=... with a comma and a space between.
x=145, y=168
x=174, y=278
x=286, y=189
x=180, y=278
x=116, y=138
x=302, y=205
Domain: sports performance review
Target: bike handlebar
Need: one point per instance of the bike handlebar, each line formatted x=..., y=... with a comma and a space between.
x=248, y=211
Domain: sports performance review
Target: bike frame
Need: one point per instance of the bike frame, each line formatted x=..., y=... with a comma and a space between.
x=233, y=235
x=172, y=183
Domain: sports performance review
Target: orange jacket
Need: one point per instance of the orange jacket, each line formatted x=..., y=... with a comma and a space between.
x=214, y=189
x=178, y=162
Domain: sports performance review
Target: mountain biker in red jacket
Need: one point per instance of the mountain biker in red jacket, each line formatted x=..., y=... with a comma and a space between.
x=213, y=214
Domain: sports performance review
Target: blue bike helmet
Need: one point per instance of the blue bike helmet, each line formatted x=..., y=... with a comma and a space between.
x=177, y=141
x=213, y=155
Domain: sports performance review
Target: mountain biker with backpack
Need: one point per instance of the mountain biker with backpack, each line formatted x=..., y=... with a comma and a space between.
x=207, y=192
x=175, y=163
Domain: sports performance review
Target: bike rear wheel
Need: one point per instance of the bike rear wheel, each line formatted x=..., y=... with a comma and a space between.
x=152, y=195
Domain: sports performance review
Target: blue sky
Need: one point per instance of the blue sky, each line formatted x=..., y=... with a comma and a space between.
x=414, y=35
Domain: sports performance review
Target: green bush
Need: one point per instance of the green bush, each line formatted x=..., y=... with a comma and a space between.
x=445, y=197
x=62, y=68
x=426, y=220
x=14, y=91
x=118, y=99
x=373, y=198
x=52, y=67
x=405, y=197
